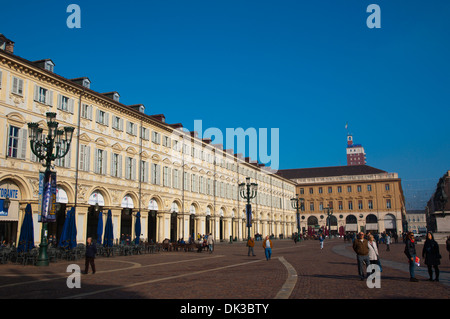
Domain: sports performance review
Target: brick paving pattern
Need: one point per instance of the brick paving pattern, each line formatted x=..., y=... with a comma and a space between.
x=228, y=273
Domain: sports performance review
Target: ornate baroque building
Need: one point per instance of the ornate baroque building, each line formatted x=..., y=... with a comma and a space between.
x=124, y=160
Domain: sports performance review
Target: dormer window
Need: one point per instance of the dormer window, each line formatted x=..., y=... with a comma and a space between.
x=49, y=65
x=116, y=97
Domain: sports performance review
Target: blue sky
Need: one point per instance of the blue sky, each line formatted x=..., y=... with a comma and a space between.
x=305, y=67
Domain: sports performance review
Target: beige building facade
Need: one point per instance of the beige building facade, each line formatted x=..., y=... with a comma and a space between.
x=362, y=198
x=126, y=161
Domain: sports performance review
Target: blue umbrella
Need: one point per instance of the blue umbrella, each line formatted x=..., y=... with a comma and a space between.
x=137, y=228
x=26, y=238
x=68, y=238
x=108, y=239
x=72, y=230
x=63, y=239
x=100, y=228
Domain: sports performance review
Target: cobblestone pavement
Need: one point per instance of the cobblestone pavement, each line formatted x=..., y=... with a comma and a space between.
x=296, y=271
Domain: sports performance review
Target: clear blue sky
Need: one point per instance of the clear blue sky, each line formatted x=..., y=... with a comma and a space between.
x=305, y=67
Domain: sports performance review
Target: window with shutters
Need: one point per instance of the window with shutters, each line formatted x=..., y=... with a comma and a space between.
x=43, y=95
x=65, y=103
x=116, y=165
x=117, y=123
x=155, y=174
x=102, y=117
x=1, y=77
x=144, y=172
x=17, y=142
x=132, y=128
x=84, y=159
x=86, y=111
x=130, y=168
x=17, y=86
x=64, y=161
x=100, y=162
x=156, y=137
x=176, y=177
x=166, y=176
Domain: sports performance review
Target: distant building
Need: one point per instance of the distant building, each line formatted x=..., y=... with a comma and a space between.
x=355, y=153
x=416, y=221
x=363, y=198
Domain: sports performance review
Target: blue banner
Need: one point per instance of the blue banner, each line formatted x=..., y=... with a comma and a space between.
x=249, y=215
x=47, y=197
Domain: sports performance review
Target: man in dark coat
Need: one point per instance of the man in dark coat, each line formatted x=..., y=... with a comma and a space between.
x=432, y=256
x=91, y=251
x=410, y=252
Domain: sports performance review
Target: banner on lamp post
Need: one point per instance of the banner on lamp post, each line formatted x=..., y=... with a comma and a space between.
x=249, y=215
x=47, y=197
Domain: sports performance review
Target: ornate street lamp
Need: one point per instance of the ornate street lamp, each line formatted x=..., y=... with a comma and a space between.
x=329, y=213
x=47, y=149
x=298, y=203
x=248, y=191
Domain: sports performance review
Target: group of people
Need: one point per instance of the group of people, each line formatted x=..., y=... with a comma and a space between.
x=366, y=249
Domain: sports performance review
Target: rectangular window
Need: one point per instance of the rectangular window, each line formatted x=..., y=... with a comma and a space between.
x=360, y=204
x=65, y=103
x=341, y=206
x=17, y=87
x=130, y=168
x=320, y=190
x=85, y=158
x=102, y=117
x=166, y=141
x=370, y=204
x=388, y=203
x=358, y=188
x=13, y=141
x=386, y=187
x=369, y=188
x=156, y=137
x=302, y=191
x=42, y=95
x=100, y=162
x=349, y=189
x=117, y=123
x=330, y=190
x=350, y=205
x=116, y=165
x=132, y=128
x=156, y=174
x=311, y=206
x=176, y=177
x=311, y=191
x=339, y=189
x=86, y=111
x=166, y=176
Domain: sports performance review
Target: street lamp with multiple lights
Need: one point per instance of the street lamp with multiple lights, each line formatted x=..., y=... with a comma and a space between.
x=47, y=149
x=248, y=191
x=298, y=204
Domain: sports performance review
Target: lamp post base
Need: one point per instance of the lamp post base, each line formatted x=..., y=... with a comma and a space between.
x=43, y=257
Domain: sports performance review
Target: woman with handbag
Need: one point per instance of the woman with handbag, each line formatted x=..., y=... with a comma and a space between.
x=374, y=258
x=432, y=256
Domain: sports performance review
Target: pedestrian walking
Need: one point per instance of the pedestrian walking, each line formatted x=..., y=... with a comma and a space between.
x=432, y=256
x=410, y=252
x=210, y=242
x=267, y=245
x=91, y=251
x=374, y=257
x=361, y=248
x=250, y=245
x=321, y=239
x=388, y=242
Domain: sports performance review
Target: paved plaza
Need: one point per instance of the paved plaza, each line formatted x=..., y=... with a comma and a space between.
x=296, y=271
